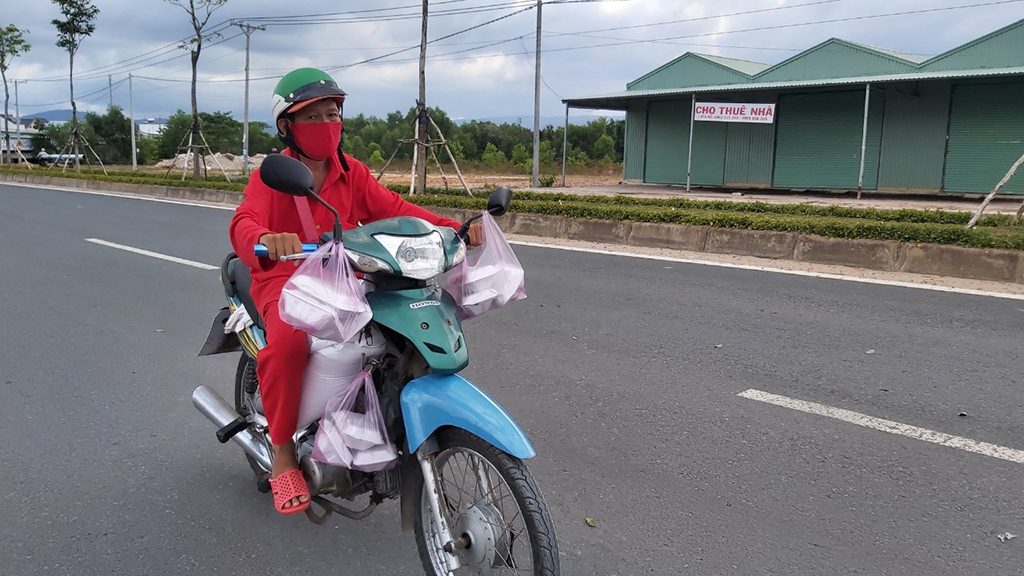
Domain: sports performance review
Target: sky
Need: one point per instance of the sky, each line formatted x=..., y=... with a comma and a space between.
x=589, y=47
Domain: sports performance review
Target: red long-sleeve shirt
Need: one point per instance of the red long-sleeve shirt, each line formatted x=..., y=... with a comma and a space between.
x=356, y=195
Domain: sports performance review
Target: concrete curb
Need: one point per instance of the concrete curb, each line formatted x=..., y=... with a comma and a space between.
x=934, y=259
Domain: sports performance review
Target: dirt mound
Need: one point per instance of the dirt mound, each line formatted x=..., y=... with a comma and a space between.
x=230, y=162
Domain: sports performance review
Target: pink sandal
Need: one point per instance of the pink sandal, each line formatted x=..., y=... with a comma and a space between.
x=288, y=486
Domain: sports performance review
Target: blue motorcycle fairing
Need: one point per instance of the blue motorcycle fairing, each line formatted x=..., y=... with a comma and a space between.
x=437, y=400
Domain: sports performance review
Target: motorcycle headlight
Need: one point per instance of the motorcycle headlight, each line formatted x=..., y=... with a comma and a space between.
x=460, y=255
x=366, y=263
x=419, y=257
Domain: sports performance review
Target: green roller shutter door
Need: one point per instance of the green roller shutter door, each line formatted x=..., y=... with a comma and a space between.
x=750, y=154
x=986, y=136
x=819, y=138
x=668, y=127
x=668, y=136
x=709, y=140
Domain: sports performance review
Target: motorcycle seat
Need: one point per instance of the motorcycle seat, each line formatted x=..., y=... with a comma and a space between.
x=237, y=280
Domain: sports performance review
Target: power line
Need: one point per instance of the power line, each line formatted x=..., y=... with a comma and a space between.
x=130, y=68
x=699, y=18
x=376, y=58
x=445, y=57
x=255, y=18
x=782, y=26
x=395, y=17
x=82, y=97
x=463, y=31
x=122, y=65
x=526, y=52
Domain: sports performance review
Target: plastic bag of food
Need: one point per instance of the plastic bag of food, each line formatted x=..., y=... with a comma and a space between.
x=489, y=277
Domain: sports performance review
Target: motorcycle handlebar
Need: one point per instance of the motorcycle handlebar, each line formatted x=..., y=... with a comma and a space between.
x=262, y=251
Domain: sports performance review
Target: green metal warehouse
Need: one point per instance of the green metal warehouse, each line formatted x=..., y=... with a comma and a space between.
x=953, y=123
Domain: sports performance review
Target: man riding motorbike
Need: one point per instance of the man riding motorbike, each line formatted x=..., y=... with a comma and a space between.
x=307, y=108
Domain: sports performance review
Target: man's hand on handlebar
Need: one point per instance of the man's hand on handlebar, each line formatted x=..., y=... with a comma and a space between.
x=475, y=236
x=279, y=245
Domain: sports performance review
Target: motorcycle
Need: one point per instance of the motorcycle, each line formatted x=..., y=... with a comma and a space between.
x=460, y=479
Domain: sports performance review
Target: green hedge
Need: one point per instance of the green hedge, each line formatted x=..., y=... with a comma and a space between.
x=916, y=226
x=830, y=226
x=891, y=215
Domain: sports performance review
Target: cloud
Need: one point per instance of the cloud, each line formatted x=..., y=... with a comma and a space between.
x=139, y=36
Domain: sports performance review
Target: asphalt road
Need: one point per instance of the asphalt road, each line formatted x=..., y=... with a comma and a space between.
x=624, y=371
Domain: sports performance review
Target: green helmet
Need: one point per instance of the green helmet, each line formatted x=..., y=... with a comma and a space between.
x=305, y=85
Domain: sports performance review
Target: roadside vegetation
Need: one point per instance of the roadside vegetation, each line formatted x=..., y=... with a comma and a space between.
x=903, y=225
x=476, y=145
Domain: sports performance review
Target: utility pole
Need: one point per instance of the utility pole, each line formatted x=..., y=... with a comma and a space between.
x=110, y=87
x=420, y=152
x=247, y=30
x=131, y=114
x=17, y=107
x=535, y=179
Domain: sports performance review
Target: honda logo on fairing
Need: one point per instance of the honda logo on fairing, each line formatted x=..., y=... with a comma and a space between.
x=424, y=304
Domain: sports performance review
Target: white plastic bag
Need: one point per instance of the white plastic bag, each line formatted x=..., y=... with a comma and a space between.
x=352, y=432
x=323, y=297
x=489, y=277
x=332, y=367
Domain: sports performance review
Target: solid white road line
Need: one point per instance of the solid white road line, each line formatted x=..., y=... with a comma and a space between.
x=120, y=195
x=822, y=275
x=134, y=250
x=984, y=448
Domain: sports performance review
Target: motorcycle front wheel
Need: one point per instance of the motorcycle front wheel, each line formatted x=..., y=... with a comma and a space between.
x=495, y=506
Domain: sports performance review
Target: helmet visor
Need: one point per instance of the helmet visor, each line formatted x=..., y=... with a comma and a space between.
x=312, y=92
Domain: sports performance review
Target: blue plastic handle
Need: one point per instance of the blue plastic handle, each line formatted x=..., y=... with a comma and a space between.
x=262, y=251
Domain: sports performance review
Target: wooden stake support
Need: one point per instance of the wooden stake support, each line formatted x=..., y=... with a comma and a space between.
x=992, y=194
x=430, y=144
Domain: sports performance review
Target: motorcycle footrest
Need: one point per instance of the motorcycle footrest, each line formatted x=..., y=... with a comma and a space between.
x=228, y=432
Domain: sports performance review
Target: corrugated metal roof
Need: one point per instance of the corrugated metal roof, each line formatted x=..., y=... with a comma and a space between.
x=912, y=58
x=691, y=69
x=1002, y=48
x=833, y=58
x=744, y=66
x=616, y=100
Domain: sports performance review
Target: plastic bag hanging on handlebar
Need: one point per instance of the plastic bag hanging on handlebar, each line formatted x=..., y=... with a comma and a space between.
x=323, y=297
x=489, y=277
x=352, y=432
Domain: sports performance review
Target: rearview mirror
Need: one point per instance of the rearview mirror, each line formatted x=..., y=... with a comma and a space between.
x=286, y=174
x=498, y=203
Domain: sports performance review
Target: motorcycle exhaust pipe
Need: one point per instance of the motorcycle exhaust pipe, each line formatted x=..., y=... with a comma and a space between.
x=221, y=414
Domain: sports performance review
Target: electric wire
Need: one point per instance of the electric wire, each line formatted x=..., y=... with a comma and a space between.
x=78, y=98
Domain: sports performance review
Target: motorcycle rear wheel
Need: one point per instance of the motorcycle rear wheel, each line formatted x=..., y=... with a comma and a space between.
x=245, y=380
x=508, y=526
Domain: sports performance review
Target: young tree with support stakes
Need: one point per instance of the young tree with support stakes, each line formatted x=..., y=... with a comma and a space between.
x=199, y=12
x=79, y=21
x=12, y=43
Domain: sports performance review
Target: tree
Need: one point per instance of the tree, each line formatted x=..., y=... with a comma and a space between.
x=604, y=148
x=12, y=43
x=521, y=157
x=492, y=156
x=222, y=132
x=261, y=140
x=113, y=142
x=53, y=137
x=149, y=152
x=79, y=22
x=173, y=133
x=199, y=12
